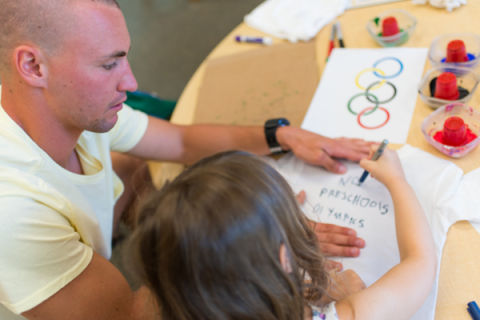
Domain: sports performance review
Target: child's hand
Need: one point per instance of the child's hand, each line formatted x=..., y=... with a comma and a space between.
x=386, y=169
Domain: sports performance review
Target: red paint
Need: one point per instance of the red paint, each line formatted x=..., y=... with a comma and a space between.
x=455, y=133
x=446, y=87
x=390, y=27
x=456, y=51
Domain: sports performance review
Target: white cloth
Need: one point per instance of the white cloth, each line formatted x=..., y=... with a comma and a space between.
x=295, y=20
x=447, y=4
x=52, y=219
x=328, y=312
x=368, y=209
x=467, y=195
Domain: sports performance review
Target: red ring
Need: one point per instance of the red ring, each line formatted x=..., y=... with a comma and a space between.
x=368, y=109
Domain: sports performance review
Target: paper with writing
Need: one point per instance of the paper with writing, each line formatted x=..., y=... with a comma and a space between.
x=369, y=210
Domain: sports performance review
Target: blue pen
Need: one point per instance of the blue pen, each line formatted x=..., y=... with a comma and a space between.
x=375, y=157
x=473, y=310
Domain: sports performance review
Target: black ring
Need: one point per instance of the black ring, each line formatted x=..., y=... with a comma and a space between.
x=381, y=102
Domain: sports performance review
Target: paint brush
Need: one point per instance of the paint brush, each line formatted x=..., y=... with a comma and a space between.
x=331, y=43
x=375, y=157
x=338, y=29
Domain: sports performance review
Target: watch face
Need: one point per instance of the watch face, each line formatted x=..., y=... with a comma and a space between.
x=273, y=123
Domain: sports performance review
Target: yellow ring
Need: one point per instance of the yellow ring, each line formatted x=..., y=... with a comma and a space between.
x=367, y=70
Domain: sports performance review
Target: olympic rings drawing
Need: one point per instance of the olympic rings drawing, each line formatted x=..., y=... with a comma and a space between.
x=368, y=95
x=363, y=94
x=371, y=108
x=383, y=76
x=365, y=71
x=381, y=102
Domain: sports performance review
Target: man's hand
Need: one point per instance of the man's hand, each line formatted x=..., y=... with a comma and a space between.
x=335, y=240
x=344, y=284
x=318, y=150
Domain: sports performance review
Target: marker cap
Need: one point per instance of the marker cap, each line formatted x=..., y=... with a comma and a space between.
x=456, y=51
x=446, y=87
x=454, y=131
x=390, y=27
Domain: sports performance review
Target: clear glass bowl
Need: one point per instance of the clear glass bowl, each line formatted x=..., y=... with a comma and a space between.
x=438, y=50
x=466, y=78
x=434, y=123
x=406, y=24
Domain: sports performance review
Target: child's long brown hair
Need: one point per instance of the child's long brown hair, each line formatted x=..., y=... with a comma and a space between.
x=207, y=244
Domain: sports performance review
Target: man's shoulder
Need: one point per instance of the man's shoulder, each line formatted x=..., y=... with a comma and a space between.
x=17, y=185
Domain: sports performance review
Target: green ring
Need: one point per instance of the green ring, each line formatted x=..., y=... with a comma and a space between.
x=362, y=94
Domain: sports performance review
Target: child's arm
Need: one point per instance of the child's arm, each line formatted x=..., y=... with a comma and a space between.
x=405, y=287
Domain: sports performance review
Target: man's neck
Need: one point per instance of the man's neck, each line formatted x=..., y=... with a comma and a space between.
x=30, y=111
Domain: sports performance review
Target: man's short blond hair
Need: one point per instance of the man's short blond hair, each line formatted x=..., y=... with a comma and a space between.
x=34, y=22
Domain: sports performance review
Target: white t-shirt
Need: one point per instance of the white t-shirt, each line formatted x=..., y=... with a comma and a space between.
x=368, y=209
x=52, y=219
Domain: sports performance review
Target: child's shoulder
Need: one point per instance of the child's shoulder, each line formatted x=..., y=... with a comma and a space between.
x=327, y=312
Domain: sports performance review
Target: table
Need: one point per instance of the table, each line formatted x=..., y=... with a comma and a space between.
x=459, y=281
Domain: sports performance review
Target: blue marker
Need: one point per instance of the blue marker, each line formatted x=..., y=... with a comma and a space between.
x=473, y=310
x=375, y=157
x=261, y=40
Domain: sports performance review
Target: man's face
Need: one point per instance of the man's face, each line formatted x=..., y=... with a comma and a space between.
x=89, y=76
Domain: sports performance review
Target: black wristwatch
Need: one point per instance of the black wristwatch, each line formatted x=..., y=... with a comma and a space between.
x=271, y=127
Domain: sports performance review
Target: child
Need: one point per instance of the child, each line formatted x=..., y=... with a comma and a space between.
x=227, y=240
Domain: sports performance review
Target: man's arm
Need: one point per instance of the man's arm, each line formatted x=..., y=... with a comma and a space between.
x=100, y=292
x=187, y=144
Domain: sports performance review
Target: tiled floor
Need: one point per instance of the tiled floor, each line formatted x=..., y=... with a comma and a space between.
x=170, y=38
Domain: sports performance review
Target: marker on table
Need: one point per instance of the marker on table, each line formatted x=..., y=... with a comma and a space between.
x=250, y=39
x=473, y=310
x=375, y=157
x=331, y=44
x=339, y=34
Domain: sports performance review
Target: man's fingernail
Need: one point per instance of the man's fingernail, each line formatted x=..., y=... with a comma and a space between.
x=342, y=169
x=355, y=251
x=358, y=243
x=351, y=232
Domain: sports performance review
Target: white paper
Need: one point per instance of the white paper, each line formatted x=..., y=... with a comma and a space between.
x=328, y=113
x=368, y=209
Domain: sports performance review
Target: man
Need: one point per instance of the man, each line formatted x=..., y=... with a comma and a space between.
x=64, y=75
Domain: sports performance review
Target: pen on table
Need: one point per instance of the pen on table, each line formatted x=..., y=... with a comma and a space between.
x=375, y=157
x=331, y=45
x=339, y=34
x=250, y=39
x=473, y=310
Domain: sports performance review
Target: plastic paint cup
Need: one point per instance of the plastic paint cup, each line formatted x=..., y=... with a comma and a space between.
x=446, y=87
x=389, y=27
x=456, y=51
x=454, y=131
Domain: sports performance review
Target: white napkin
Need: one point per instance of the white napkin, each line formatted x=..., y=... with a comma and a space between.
x=447, y=4
x=295, y=20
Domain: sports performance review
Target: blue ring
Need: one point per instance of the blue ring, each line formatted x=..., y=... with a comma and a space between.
x=388, y=77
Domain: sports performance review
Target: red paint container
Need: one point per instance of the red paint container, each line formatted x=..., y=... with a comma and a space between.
x=456, y=51
x=446, y=87
x=454, y=131
x=390, y=27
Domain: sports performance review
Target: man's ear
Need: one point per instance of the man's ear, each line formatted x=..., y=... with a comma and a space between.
x=31, y=65
x=284, y=259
